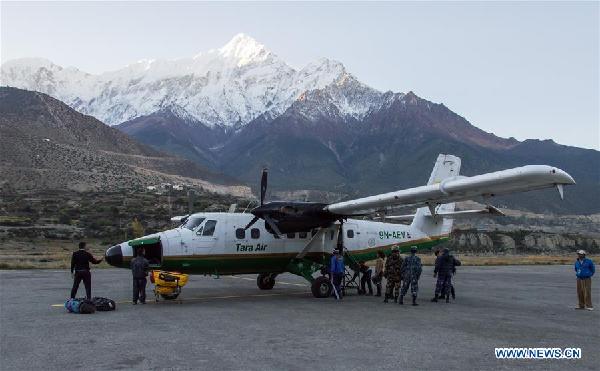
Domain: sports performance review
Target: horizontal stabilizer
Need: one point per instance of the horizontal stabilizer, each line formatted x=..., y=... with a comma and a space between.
x=489, y=211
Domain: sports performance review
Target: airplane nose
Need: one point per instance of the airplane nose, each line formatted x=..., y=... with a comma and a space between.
x=114, y=256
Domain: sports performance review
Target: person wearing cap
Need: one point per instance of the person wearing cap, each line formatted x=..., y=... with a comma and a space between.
x=337, y=269
x=584, y=270
x=411, y=272
x=393, y=266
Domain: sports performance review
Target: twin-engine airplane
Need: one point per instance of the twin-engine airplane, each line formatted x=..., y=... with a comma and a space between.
x=299, y=237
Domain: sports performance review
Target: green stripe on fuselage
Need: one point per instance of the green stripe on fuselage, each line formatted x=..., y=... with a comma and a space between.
x=273, y=263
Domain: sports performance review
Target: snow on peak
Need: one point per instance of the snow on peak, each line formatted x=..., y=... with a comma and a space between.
x=244, y=49
x=229, y=86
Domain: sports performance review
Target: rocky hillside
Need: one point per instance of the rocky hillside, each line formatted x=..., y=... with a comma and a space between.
x=46, y=144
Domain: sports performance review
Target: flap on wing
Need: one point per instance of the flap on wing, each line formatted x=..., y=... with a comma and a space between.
x=489, y=211
x=520, y=179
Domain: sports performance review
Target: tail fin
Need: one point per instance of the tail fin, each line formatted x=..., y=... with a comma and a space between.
x=446, y=166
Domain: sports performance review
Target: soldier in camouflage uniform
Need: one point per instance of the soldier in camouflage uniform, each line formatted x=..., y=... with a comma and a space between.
x=393, y=264
x=411, y=272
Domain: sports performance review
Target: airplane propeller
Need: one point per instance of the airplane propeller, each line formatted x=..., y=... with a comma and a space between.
x=263, y=192
x=289, y=216
x=263, y=185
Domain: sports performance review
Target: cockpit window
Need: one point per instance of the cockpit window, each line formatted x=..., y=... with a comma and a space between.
x=192, y=222
x=209, y=228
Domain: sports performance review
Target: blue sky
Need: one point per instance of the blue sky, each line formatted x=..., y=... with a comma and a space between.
x=522, y=69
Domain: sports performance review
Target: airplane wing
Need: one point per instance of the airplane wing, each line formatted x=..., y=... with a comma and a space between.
x=461, y=188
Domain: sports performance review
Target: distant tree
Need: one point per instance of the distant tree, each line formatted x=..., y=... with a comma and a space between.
x=137, y=229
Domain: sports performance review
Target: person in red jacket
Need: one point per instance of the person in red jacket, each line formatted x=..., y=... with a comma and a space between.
x=80, y=270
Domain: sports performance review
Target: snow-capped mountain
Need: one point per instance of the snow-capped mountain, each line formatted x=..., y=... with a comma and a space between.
x=229, y=86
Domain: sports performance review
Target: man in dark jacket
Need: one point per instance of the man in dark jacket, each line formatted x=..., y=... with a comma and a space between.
x=80, y=270
x=584, y=270
x=411, y=272
x=365, y=279
x=444, y=264
x=455, y=263
x=139, y=270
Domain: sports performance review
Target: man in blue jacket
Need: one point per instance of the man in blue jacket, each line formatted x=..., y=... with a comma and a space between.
x=584, y=270
x=336, y=268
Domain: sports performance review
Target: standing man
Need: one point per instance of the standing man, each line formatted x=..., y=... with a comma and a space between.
x=393, y=266
x=443, y=271
x=378, y=277
x=139, y=270
x=411, y=272
x=80, y=270
x=337, y=269
x=584, y=270
x=455, y=263
x=365, y=278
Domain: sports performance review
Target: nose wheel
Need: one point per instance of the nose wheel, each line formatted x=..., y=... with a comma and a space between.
x=266, y=281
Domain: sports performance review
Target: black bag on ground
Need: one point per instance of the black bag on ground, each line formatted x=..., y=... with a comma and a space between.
x=86, y=306
x=104, y=304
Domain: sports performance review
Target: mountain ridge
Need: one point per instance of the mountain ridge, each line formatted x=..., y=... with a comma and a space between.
x=46, y=144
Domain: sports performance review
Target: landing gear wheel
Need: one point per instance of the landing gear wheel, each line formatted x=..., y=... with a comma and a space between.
x=321, y=287
x=265, y=281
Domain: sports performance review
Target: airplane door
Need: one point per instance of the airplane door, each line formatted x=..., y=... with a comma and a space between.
x=206, y=236
x=351, y=236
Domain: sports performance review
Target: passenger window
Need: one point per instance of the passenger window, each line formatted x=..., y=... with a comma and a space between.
x=240, y=233
x=255, y=233
x=302, y=235
x=350, y=233
x=291, y=235
x=209, y=228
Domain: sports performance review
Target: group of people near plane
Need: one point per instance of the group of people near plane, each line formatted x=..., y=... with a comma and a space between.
x=401, y=273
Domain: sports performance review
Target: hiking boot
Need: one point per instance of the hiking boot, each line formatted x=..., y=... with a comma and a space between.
x=134, y=303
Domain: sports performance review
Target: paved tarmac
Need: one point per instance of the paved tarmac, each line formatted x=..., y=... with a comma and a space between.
x=228, y=324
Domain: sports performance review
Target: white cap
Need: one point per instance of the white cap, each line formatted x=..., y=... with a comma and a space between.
x=581, y=252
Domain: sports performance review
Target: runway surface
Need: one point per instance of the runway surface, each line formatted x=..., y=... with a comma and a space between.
x=228, y=324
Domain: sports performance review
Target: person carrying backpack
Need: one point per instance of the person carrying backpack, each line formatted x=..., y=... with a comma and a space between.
x=139, y=270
